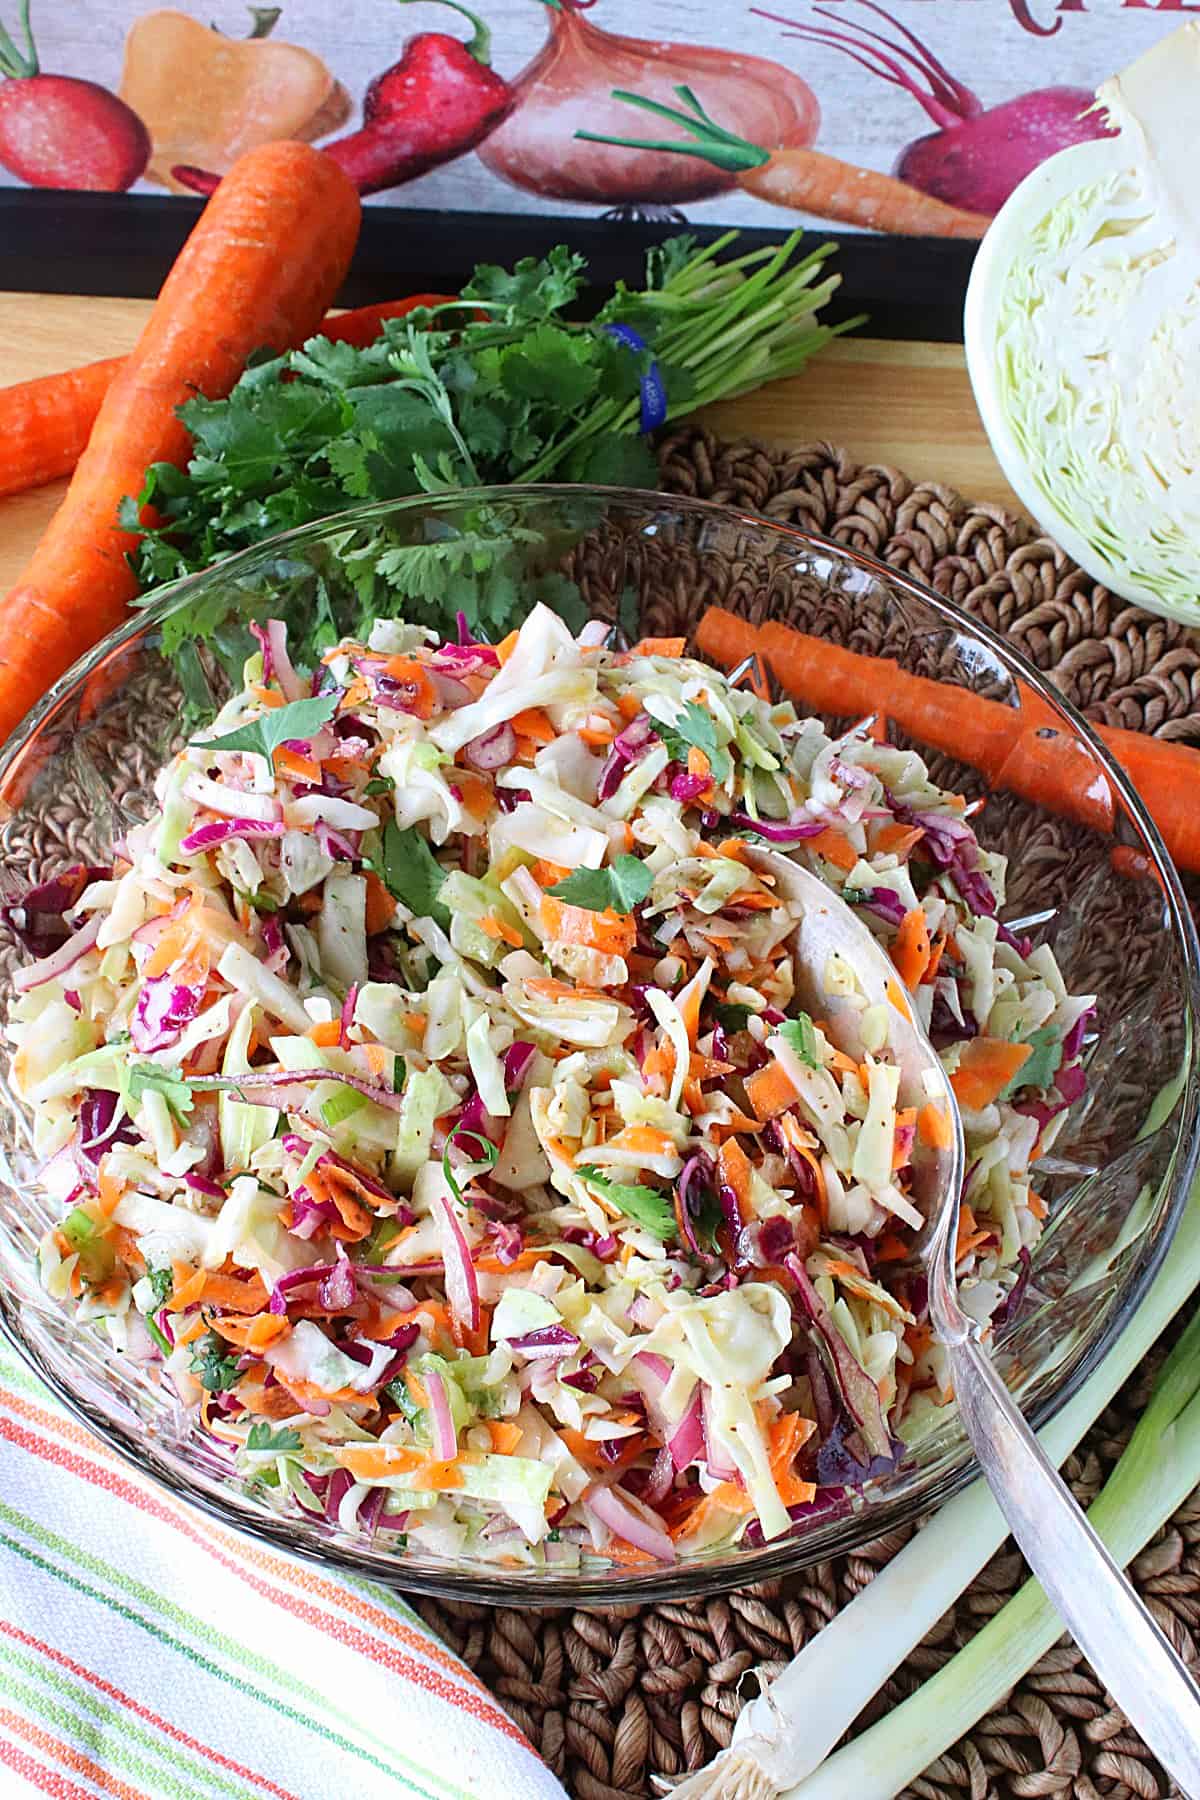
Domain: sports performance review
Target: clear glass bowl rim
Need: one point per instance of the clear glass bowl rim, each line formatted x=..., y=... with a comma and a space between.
x=840, y=1535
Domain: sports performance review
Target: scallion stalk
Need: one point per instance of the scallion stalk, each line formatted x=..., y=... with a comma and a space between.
x=1159, y=1469
x=783, y=1736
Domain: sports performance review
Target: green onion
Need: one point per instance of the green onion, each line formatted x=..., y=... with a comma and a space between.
x=783, y=1736
x=340, y=1105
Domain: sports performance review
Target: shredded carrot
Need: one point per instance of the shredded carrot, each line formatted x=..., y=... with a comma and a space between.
x=547, y=874
x=499, y=931
x=420, y=696
x=770, y=1091
x=505, y=1435
x=894, y=839
x=899, y=1000
x=833, y=847
x=934, y=1127
x=597, y=736
x=1037, y=1205
x=297, y=767
x=911, y=951
x=656, y=646
x=506, y=646
x=610, y=932
x=326, y=1033
x=255, y=1333
x=985, y=1068
x=381, y=905
x=536, y=724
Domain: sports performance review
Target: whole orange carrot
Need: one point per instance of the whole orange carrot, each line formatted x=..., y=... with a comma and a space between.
x=805, y=180
x=1023, y=749
x=44, y=423
x=261, y=267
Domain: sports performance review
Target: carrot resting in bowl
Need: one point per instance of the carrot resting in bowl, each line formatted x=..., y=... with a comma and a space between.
x=261, y=267
x=1021, y=749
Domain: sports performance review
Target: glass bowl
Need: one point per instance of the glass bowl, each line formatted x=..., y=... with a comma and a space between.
x=79, y=773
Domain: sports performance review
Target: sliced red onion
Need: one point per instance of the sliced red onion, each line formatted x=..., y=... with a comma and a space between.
x=281, y=663
x=686, y=788
x=49, y=968
x=200, y=1184
x=1071, y=1082
x=1073, y=1042
x=164, y=1007
x=462, y=1287
x=492, y=749
x=779, y=831
x=658, y=1482
x=294, y=1278
x=902, y=1145
x=517, y=1060
x=585, y=1380
x=656, y=1366
x=339, y=846
x=618, y=1510
x=720, y=1466
x=549, y=1341
x=695, y=1178
x=340, y=1483
x=686, y=1442
x=628, y=747
x=99, y=1126
x=444, y=1438
x=859, y=1393
x=347, y=1016
x=886, y=903
x=336, y=1291
x=220, y=831
x=38, y=919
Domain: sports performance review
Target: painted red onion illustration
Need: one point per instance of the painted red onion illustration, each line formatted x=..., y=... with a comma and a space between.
x=569, y=85
x=978, y=154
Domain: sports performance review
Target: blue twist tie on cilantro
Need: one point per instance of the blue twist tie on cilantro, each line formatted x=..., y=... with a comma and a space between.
x=654, y=394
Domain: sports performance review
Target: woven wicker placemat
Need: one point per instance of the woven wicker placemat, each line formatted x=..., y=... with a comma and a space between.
x=614, y=1697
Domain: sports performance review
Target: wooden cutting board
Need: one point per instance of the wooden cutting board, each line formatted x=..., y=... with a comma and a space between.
x=907, y=404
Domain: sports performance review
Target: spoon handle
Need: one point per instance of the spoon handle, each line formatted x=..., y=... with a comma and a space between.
x=1093, y=1597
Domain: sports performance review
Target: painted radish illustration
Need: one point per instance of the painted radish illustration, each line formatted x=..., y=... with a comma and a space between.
x=978, y=154
x=61, y=132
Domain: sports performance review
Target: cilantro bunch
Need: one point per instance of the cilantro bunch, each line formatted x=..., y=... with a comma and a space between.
x=501, y=386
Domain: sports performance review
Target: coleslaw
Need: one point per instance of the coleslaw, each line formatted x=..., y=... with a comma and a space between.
x=423, y=1095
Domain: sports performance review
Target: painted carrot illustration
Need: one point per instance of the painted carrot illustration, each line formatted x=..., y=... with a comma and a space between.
x=803, y=180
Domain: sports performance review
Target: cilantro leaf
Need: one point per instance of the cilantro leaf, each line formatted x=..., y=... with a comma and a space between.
x=217, y=1371
x=411, y=872
x=263, y=1437
x=487, y=1154
x=695, y=729
x=162, y=1284
x=646, y=1206
x=298, y=719
x=799, y=1035
x=621, y=886
x=153, y=1078
x=1039, y=1069
x=731, y=1017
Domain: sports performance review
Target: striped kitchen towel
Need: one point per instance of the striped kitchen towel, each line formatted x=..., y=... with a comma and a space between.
x=148, y=1654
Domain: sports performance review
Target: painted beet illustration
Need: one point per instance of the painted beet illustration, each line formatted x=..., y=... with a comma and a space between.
x=978, y=154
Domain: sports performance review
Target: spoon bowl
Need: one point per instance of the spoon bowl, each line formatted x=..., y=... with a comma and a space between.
x=842, y=973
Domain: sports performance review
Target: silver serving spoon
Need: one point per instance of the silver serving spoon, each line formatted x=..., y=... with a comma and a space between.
x=1093, y=1597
